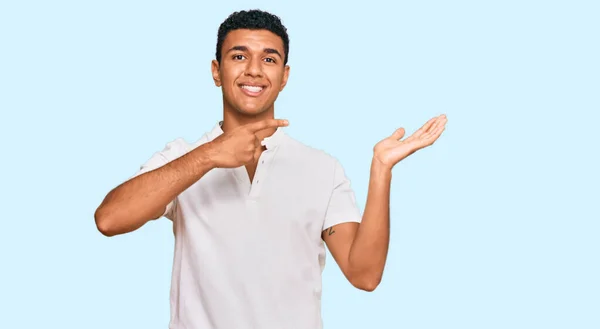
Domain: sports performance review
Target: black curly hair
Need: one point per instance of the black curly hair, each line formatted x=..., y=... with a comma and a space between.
x=254, y=19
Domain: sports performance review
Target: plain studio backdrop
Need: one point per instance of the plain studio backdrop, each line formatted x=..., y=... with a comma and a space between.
x=495, y=226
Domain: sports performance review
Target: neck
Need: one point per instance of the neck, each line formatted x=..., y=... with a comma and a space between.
x=233, y=119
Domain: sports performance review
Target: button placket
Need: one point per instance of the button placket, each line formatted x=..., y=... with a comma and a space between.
x=255, y=187
x=264, y=163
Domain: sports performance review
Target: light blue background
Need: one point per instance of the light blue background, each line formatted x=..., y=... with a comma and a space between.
x=495, y=226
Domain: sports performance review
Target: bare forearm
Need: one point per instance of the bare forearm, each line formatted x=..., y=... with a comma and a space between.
x=143, y=198
x=370, y=246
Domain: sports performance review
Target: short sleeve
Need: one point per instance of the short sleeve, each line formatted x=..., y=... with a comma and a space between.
x=172, y=151
x=342, y=207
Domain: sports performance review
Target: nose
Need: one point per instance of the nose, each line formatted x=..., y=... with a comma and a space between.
x=254, y=67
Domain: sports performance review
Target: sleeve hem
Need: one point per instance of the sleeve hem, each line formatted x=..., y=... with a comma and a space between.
x=341, y=220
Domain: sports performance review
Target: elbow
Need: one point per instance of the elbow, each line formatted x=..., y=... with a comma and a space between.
x=104, y=224
x=367, y=283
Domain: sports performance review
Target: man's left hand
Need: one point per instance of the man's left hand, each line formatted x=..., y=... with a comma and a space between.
x=392, y=149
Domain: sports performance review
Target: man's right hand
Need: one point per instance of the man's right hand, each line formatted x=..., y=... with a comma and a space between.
x=240, y=146
x=133, y=203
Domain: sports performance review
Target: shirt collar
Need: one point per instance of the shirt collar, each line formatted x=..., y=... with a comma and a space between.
x=270, y=142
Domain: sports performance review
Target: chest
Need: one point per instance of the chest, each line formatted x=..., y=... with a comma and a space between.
x=287, y=198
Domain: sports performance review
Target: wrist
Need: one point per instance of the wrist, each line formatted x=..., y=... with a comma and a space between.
x=380, y=170
x=207, y=156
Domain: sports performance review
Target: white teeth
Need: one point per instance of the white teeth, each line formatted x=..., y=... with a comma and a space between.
x=253, y=89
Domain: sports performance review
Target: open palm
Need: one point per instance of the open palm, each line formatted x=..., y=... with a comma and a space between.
x=392, y=149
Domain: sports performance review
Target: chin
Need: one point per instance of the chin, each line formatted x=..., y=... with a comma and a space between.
x=252, y=110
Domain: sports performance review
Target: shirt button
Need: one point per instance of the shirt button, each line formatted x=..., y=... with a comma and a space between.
x=263, y=161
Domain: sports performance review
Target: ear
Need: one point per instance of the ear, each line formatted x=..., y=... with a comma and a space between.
x=214, y=67
x=286, y=74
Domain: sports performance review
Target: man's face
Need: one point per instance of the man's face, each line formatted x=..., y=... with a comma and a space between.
x=251, y=73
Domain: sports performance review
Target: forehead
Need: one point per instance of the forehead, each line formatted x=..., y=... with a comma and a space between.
x=253, y=39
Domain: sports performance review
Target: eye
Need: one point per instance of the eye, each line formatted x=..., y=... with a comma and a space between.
x=238, y=57
x=270, y=60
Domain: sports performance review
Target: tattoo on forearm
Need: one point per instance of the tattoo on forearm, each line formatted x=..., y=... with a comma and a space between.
x=330, y=231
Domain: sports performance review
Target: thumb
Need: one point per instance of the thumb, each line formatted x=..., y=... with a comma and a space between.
x=399, y=133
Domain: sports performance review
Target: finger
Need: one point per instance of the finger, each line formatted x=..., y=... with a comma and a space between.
x=257, y=153
x=398, y=134
x=435, y=124
x=440, y=123
x=441, y=120
x=265, y=124
x=421, y=131
x=257, y=148
x=432, y=136
x=425, y=127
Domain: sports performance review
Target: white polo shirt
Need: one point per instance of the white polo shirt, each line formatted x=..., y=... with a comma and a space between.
x=250, y=255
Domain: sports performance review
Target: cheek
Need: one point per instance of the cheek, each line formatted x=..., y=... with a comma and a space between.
x=228, y=79
x=230, y=73
x=276, y=79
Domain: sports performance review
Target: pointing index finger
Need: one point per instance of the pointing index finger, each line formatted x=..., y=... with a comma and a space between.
x=265, y=124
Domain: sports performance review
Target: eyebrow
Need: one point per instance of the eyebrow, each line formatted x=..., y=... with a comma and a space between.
x=266, y=50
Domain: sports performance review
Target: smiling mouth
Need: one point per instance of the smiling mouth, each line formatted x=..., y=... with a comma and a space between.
x=252, y=90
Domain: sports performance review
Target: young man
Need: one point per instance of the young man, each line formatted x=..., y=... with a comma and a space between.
x=252, y=207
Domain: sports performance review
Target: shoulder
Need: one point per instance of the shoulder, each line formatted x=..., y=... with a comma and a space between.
x=318, y=161
x=307, y=152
